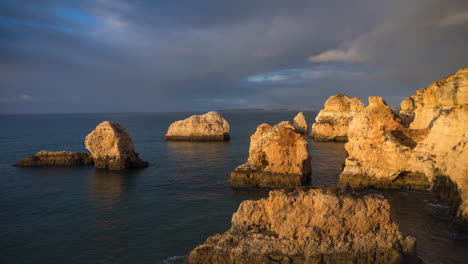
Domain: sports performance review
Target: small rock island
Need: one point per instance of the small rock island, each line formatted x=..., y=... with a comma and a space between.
x=310, y=226
x=208, y=127
x=300, y=123
x=331, y=123
x=278, y=157
x=56, y=159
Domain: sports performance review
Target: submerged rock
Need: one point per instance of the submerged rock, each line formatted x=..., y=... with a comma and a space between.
x=112, y=147
x=208, y=127
x=278, y=157
x=56, y=159
x=331, y=124
x=300, y=123
x=310, y=226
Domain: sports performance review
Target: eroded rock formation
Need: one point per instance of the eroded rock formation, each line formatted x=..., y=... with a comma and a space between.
x=310, y=226
x=278, y=157
x=208, y=127
x=112, y=148
x=427, y=144
x=331, y=124
x=300, y=123
x=56, y=159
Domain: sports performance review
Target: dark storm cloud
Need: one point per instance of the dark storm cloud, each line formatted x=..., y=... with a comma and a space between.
x=105, y=55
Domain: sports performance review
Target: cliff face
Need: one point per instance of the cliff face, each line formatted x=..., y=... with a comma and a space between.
x=278, y=157
x=300, y=123
x=331, y=124
x=309, y=226
x=208, y=127
x=112, y=147
x=56, y=159
x=427, y=144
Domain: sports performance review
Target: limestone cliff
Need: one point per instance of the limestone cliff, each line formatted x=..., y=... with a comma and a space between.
x=310, y=226
x=208, y=127
x=331, y=124
x=300, y=123
x=56, y=159
x=278, y=157
x=112, y=147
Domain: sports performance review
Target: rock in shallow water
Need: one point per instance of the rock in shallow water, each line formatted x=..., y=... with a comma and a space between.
x=56, y=159
x=112, y=148
x=310, y=226
x=278, y=157
x=208, y=127
x=300, y=123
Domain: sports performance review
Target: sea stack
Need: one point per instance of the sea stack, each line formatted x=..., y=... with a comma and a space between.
x=56, y=159
x=278, y=157
x=428, y=147
x=112, y=147
x=331, y=124
x=310, y=226
x=300, y=123
x=208, y=127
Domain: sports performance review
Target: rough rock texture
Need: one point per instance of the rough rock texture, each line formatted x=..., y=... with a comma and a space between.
x=112, y=147
x=428, y=144
x=208, y=127
x=300, y=123
x=310, y=226
x=56, y=159
x=278, y=157
x=331, y=124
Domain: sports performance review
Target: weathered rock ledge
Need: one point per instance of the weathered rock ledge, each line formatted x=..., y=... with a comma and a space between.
x=208, y=127
x=310, y=226
x=278, y=157
x=331, y=124
x=56, y=159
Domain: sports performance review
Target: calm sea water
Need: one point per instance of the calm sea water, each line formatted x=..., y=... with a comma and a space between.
x=158, y=214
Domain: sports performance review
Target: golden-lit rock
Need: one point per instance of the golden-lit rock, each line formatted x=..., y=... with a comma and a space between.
x=331, y=124
x=56, y=159
x=278, y=157
x=310, y=226
x=112, y=147
x=208, y=127
x=300, y=123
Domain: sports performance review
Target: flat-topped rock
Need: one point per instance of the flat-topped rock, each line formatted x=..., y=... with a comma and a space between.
x=310, y=226
x=300, y=123
x=331, y=124
x=56, y=159
x=112, y=147
x=208, y=127
x=278, y=157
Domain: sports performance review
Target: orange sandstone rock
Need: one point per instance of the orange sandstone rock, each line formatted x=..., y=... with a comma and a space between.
x=208, y=127
x=300, y=123
x=56, y=159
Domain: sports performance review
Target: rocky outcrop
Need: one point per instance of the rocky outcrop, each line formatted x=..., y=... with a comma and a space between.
x=112, y=148
x=300, y=123
x=331, y=124
x=56, y=159
x=310, y=226
x=208, y=127
x=278, y=157
x=427, y=144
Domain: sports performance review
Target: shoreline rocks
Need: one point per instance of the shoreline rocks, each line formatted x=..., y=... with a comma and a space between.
x=300, y=123
x=278, y=157
x=208, y=127
x=310, y=226
x=112, y=148
x=331, y=124
x=56, y=159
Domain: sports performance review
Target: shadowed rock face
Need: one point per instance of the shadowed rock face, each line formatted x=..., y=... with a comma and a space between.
x=331, y=124
x=310, y=226
x=208, y=127
x=429, y=142
x=300, y=123
x=278, y=157
x=112, y=147
x=56, y=159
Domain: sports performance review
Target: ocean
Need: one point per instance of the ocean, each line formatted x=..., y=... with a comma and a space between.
x=159, y=214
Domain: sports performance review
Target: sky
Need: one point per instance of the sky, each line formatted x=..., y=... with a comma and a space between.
x=87, y=56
